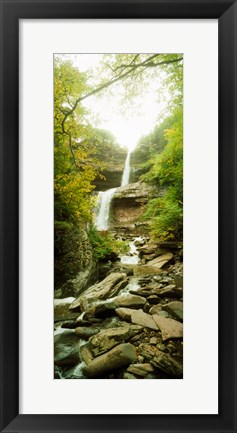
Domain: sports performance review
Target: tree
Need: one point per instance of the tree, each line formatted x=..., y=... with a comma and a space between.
x=166, y=170
x=75, y=149
x=121, y=67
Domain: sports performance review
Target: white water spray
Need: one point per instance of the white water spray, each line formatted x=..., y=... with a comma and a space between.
x=105, y=197
x=126, y=171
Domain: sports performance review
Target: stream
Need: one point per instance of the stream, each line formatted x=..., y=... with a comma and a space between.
x=138, y=293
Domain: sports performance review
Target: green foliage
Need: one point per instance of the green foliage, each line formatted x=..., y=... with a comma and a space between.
x=151, y=145
x=167, y=167
x=75, y=161
x=165, y=214
x=105, y=246
x=109, y=151
x=166, y=217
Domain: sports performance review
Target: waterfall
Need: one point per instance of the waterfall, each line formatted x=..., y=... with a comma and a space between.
x=126, y=171
x=105, y=197
x=102, y=217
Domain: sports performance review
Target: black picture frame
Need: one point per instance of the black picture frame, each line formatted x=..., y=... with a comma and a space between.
x=11, y=12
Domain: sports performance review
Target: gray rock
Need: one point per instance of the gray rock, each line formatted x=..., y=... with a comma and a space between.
x=146, y=270
x=160, y=261
x=153, y=299
x=162, y=347
x=178, y=280
x=128, y=375
x=119, y=356
x=157, y=309
x=167, y=280
x=61, y=310
x=106, y=339
x=148, y=351
x=124, y=313
x=66, y=348
x=175, y=308
x=85, y=332
x=86, y=354
x=99, y=309
x=143, y=319
x=148, y=249
x=142, y=291
x=148, y=257
x=141, y=369
x=107, y=288
x=130, y=301
x=169, y=328
x=171, y=291
x=168, y=364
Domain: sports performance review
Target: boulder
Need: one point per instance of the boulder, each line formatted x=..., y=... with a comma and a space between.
x=85, y=332
x=178, y=279
x=169, y=328
x=146, y=270
x=148, y=249
x=139, y=241
x=171, y=291
x=167, y=280
x=127, y=375
x=148, y=351
x=75, y=267
x=160, y=261
x=86, y=354
x=141, y=369
x=100, y=309
x=130, y=301
x=143, y=319
x=107, y=288
x=125, y=313
x=168, y=364
x=118, y=357
x=108, y=338
x=66, y=348
x=175, y=308
x=61, y=310
x=157, y=309
x=148, y=257
x=142, y=291
x=153, y=299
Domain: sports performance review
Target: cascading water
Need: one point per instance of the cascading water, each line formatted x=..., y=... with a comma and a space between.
x=105, y=197
x=132, y=258
x=102, y=217
x=126, y=171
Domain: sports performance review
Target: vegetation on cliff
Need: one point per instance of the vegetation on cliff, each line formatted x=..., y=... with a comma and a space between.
x=165, y=169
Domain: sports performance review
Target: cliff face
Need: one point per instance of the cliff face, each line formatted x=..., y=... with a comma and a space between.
x=127, y=207
x=112, y=174
x=112, y=179
x=74, y=265
x=137, y=160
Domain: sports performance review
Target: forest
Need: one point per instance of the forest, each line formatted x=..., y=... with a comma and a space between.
x=118, y=216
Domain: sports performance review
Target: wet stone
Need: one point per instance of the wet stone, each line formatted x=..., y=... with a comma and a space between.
x=105, y=340
x=119, y=356
x=143, y=319
x=169, y=328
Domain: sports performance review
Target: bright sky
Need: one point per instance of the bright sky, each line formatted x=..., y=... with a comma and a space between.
x=132, y=124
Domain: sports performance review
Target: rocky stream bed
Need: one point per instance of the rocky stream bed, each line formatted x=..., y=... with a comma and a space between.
x=129, y=325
